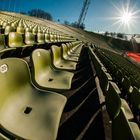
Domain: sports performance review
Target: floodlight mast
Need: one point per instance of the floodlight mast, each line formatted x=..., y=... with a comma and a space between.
x=83, y=13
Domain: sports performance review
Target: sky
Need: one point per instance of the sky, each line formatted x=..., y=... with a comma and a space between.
x=102, y=15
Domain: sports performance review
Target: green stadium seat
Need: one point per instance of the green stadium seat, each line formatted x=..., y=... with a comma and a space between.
x=2, y=42
x=40, y=38
x=59, y=62
x=25, y=111
x=113, y=98
x=119, y=76
x=126, y=85
x=55, y=38
x=15, y=40
x=52, y=38
x=34, y=31
x=5, y=24
x=28, y=30
x=58, y=38
x=104, y=78
x=46, y=76
x=47, y=38
x=40, y=31
x=20, y=23
x=113, y=101
x=9, y=29
x=20, y=30
x=1, y=30
x=14, y=25
x=123, y=129
x=29, y=38
x=128, y=113
x=122, y=126
x=112, y=67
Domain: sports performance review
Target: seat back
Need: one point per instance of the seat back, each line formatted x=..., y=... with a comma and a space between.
x=14, y=25
x=56, y=51
x=55, y=38
x=126, y=83
x=104, y=78
x=47, y=37
x=121, y=128
x=14, y=74
x=41, y=61
x=69, y=46
x=34, y=31
x=20, y=30
x=40, y=38
x=58, y=38
x=28, y=30
x=64, y=50
x=135, y=99
x=15, y=39
x=29, y=38
x=113, y=101
x=5, y=24
x=52, y=37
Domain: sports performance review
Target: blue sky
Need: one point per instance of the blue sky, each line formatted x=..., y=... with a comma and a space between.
x=99, y=16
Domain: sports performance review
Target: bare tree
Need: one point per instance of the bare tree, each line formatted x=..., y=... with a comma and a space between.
x=40, y=14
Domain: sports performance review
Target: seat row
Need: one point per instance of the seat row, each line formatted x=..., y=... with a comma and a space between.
x=22, y=26
x=22, y=30
x=125, y=83
x=24, y=43
x=118, y=62
x=14, y=22
x=64, y=57
x=128, y=86
x=123, y=125
x=29, y=107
